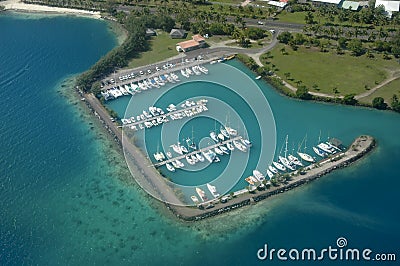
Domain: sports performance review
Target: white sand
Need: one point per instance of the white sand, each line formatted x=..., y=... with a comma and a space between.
x=19, y=6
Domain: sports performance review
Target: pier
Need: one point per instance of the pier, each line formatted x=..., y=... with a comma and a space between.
x=197, y=151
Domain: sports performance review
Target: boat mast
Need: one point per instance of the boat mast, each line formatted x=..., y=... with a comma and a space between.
x=286, y=145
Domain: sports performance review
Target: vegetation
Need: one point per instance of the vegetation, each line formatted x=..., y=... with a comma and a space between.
x=328, y=72
x=161, y=47
x=379, y=103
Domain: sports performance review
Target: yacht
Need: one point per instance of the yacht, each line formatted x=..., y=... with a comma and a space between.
x=240, y=146
x=188, y=71
x=213, y=190
x=231, y=131
x=200, y=157
x=194, y=158
x=203, y=69
x=189, y=160
x=230, y=146
x=319, y=152
x=272, y=169
x=184, y=73
x=246, y=142
x=224, y=132
x=213, y=136
x=224, y=149
x=294, y=160
x=286, y=163
x=221, y=137
x=123, y=90
x=251, y=180
x=326, y=148
x=196, y=70
x=179, y=163
x=177, y=148
x=209, y=155
x=257, y=174
x=306, y=157
x=218, y=151
x=279, y=166
x=270, y=174
x=184, y=149
x=170, y=167
x=194, y=199
x=201, y=194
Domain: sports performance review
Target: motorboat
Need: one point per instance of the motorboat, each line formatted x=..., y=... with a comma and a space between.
x=272, y=169
x=213, y=190
x=257, y=174
x=319, y=152
x=270, y=174
x=201, y=194
x=214, y=136
x=170, y=167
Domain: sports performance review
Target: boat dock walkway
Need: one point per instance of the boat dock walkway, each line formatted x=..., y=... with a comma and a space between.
x=149, y=119
x=197, y=151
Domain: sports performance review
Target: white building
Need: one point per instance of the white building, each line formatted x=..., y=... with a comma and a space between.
x=390, y=6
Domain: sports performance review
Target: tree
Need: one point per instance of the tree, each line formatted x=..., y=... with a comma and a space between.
x=379, y=103
x=309, y=18
x=287, y=75
x=356, y=47
x=303, y=93
x=285, y=37
x=395, y=103
x=349, y=99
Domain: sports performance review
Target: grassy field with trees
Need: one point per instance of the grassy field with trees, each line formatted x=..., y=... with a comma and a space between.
x=328, y=72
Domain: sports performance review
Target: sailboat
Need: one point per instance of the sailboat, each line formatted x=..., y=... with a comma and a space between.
x=303, y=155
x=284, y=160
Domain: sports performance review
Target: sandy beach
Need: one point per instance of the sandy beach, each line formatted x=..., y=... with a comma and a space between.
x=17, y=5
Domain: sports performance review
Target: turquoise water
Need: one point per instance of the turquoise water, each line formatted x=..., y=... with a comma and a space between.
x=67, y=198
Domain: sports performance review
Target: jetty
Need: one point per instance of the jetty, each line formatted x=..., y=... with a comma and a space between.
x=197, y=151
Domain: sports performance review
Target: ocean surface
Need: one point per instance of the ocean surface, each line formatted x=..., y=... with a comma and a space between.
x=67, y=197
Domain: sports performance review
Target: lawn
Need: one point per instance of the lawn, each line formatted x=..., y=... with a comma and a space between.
x=348, y=74
x=161, y=48
x=386, y=92
x=295, y=17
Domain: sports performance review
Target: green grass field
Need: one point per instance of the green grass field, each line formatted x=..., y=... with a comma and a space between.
x=161, y=48
x=296, y=17
x=347, y=73
x=386, y=92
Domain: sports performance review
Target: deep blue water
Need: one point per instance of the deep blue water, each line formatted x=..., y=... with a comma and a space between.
x=67, y=198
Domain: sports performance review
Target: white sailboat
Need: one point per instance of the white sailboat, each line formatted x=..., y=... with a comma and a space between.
x=279, y=166
x=270, y=174
x=257, y=174
x=303, y=155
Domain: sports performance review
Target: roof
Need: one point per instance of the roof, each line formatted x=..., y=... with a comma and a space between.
x=198, y=38
x=350, y=5
x=388, y=5
x=277, y=3
x=188, y=44
x=336, y=2
x=177, y=32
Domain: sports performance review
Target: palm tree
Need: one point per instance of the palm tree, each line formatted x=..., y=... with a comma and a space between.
x=283, y=50
x=287, y=75
x=298, y=83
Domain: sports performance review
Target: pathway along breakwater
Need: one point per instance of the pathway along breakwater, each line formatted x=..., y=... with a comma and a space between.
x=155, y=183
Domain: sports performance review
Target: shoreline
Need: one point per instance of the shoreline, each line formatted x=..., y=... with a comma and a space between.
x=18, y=6
x=154, y=181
